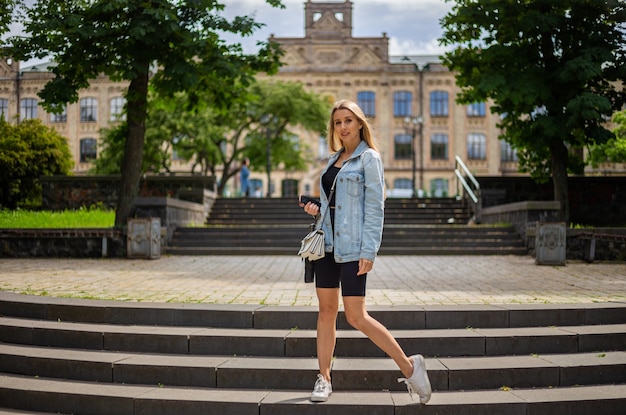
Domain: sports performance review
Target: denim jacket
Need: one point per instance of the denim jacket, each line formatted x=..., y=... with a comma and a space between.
x=359, y=207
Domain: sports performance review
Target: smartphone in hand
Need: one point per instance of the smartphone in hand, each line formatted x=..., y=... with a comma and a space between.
x=306, y=199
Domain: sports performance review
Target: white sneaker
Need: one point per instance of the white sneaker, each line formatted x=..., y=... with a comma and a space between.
x=321, y=390
x=418, y=382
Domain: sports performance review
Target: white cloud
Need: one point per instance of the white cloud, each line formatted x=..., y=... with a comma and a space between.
x=412, y=26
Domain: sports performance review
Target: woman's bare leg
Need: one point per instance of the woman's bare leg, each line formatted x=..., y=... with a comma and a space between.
x=358, y=317
x=328, y=299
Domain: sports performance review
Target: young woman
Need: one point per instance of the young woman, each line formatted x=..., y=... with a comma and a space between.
x=353, y=226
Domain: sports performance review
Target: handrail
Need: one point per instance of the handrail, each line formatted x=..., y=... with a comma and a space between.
x=466, y=186
x=474, y=193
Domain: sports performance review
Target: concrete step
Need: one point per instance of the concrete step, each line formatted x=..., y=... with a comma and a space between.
x=305, y=317
x=282, y=250
x=41, y=394
x=275, y=226
x=7, y=411
x=301, y=343
x=108, y=357
x=239, y=372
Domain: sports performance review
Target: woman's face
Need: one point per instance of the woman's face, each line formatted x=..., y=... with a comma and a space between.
x=347, y=127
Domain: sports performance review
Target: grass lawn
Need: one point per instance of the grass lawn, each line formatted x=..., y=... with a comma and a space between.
x=82, y=218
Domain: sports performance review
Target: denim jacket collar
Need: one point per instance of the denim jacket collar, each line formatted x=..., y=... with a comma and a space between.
x=357, y=152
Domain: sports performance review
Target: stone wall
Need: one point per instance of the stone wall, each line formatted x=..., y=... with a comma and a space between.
x=176, y=200
x=73, y=192
x=594, y=200
x=610, y=243
x=62, y=243
x=172, y=212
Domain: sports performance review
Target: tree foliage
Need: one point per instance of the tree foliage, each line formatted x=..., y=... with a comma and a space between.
x=174, y=45
x=215, y=141
x=614, y=150
x=29, y=150
x=8, y=11
x=551, y=68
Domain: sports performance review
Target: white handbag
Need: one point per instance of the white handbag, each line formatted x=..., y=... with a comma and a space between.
x=312, y=246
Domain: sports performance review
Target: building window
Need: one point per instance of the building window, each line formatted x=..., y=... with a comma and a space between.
x=402, y=146
x=4, y=109
x=439, y=187
x=117, y=109
x=477, y=109
x=88, y=110
x=476, y=146
x=367, y=102
x=439, y=104
x=402, y=183
x=28, y=109
x=402, y=104
x=507, y=152
x=439, y=147
x=88, y=150
x=176, y=140
x=322, y=148
x=59, y=116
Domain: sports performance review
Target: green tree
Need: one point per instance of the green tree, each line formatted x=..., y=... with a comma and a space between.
x=29, y=150
x=216, y=140
x=550, y=68
x=614, y=150
x=267, y=110
x=174, y=45
x=277, y=109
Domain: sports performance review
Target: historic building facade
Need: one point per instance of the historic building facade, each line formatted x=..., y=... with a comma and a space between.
x=98, y=107
x=410, y=101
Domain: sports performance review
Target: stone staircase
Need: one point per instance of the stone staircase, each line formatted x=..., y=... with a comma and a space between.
x=104, y=357
x=275, y=226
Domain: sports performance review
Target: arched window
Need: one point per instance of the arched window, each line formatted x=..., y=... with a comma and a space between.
x=439, y=146
x=88, y=150
x=476, y=109
x=476, y=146
x=59, y=116
x=367, y=102
x=28, y=109
x=402, y=146
x=439, y=104
x=507, y=152
x=402, y=104
x=402, y=183
x=117, y=109
x=4, y=109
x=439, y=187
x=88, y=109
x=322, y=148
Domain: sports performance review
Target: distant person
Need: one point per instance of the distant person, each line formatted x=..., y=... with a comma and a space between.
x=353, y=226
x=244, y=177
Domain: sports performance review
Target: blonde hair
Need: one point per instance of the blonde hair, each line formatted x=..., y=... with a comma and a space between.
x=334, y=142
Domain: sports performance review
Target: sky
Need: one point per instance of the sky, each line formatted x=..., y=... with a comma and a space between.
x=411, y=25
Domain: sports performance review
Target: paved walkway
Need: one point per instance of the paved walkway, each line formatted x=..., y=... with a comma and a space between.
x=277, y=280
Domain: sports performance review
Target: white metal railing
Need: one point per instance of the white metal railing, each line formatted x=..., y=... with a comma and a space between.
x=472, y=188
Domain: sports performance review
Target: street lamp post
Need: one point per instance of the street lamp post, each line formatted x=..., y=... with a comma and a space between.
x=269, y=161
x=266, y=121
x=413, y=126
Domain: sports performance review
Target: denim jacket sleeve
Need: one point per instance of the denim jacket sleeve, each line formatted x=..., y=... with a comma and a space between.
x=373, y=204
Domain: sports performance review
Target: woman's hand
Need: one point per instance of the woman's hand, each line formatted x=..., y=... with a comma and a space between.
x=365, y=266
x=310, y=208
